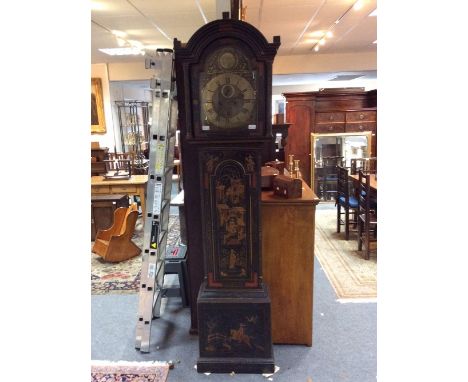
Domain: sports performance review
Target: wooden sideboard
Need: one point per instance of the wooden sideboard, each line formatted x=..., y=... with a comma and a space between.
x=328, y=112
x=288, y=228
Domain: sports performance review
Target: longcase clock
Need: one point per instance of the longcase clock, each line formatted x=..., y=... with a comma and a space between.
x=224, y=77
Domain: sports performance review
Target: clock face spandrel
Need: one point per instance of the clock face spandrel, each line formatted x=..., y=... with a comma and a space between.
x=228, y=96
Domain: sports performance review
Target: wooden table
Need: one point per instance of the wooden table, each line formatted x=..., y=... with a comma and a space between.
x=372, y=181
x=288, y=228
x=136, y=185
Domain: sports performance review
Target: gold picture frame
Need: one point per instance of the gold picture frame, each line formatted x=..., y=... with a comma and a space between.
x=98, y=122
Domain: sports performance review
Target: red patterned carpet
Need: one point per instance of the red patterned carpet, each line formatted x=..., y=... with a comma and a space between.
x=124, y=277
x=106, y=371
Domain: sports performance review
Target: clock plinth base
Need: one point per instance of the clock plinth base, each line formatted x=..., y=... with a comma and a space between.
x=234, y=331
x=236, y=365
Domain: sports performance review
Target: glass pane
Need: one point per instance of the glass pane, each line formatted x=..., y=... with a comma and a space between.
x=331, y=150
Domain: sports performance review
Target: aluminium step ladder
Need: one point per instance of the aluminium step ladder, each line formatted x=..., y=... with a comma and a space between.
x=158, y=193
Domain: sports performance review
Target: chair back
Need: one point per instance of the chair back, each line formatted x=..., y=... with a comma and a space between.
x=367, y=165
x=329, y=175
x=342, y=188
x=364, y=195
x=132, y=210
x=121, y=162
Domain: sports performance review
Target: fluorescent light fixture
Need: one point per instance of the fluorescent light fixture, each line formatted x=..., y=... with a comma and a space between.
x=123, y=51
x=373, y=13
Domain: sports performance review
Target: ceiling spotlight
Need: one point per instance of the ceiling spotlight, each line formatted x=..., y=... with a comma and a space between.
x=316, y=48
x=337, y=21
x=322, y=42
x=375, y=42
x=329, y=34
x=358, y=5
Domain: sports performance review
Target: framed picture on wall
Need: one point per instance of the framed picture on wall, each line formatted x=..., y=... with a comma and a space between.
x=98, y=122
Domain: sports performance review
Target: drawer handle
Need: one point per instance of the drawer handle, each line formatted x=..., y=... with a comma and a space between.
x=361, y=116
x=361, y=127
x=330, y=128
x=331, y=117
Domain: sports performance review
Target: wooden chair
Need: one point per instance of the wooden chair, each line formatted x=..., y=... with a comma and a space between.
x=367, y=220
x=329, y=176
x=367, y=165
x=344, y=200
x=119, y=165
x=115, y=244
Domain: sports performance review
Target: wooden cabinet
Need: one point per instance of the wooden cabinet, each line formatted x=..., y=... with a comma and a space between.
x=98, y=167
x=288, y=227
x=329, y=111
x=102, y=211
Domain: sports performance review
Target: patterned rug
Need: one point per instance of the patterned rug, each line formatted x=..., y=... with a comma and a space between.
x=106, y=371
x=124, y=277
x=352, y=277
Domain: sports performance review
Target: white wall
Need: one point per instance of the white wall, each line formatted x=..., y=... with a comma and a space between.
x=322, y=63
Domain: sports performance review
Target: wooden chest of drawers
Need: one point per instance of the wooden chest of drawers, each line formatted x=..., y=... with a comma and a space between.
x=331, y=111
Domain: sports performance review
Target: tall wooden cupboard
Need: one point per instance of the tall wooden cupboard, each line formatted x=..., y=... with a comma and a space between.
x=325, y=112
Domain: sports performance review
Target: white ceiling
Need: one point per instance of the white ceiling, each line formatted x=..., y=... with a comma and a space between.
x=300, y=23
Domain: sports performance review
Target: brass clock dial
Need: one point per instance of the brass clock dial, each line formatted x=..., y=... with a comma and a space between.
x=228, y=92
x=228, y=101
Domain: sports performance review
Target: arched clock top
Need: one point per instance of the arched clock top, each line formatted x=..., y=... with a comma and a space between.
x=243, y=32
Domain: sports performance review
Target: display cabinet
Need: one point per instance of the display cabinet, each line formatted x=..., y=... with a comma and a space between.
x=134, y=123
